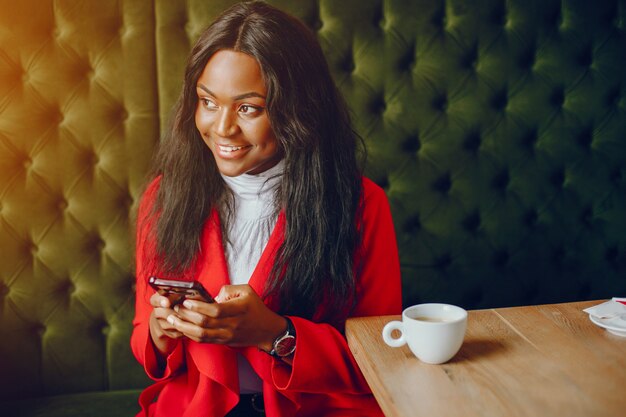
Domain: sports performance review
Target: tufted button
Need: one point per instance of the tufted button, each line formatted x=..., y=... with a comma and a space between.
x=4, y=290
x=25, y=76
x=314, y=22
x=125, y=201
x=105, y=329
x=498, y=15
x=472, y=222
x=53, y=115
x=557, y=97
x=382, y=182
x=470, y=60
x=62, y=204
x=440, y=103
x=585, y=137
x=472, y=142
x=39, y=329
x=586, y=216
x=557, y=178
x=500, y=100
x=613, y=96
x=407, y=60
x=90, y=158
x=121, y=114
x=27, y=163
x=89, y=73
x=411, y=144
x=443, y=183
x=379, y=18
x=529, y=139
x=530, y=218
x=378, y=105
x=95, y=243
x=554, y=17
x=501, y=180
x=585, y=58
x=439, y=19
x=347, y=63
x=56, y=32
x=413, y=224
x=67, y=288
x=527, y=58
x=32, y=248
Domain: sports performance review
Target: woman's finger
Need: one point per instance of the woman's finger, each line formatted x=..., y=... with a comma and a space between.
x=157, y=300
x=197, y=333
x=193, y=316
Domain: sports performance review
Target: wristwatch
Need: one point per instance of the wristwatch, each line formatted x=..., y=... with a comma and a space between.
x=285, y=344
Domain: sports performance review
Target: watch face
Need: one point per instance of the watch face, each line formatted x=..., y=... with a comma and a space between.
x=285, y=345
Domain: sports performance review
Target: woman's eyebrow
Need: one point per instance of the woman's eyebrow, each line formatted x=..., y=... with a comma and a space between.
x=236, y=98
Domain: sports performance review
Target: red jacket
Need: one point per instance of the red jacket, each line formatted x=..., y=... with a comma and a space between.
x=324, y=379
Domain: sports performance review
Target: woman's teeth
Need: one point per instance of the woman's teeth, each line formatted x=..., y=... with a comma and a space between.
x=230, y=148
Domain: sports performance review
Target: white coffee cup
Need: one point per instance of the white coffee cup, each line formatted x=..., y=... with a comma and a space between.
x=434, y=332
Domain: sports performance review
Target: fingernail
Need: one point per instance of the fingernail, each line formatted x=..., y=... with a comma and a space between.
x=176, y=308
x=170, y=319
x=164, y=303
x=188, y=304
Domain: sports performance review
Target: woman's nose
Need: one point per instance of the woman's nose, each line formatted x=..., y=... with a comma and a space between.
x=226, y=123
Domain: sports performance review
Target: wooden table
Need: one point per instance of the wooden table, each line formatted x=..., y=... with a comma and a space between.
x=546, y=360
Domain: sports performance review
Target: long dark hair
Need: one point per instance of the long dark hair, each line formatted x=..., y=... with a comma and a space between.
x=320, y=189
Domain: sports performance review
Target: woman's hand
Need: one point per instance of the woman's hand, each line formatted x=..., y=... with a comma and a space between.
x=238, y=318
x=164, y=335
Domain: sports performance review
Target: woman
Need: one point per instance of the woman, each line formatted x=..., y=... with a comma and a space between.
x=257, y=195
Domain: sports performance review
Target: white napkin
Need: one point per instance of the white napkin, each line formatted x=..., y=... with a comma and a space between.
x=609, y=309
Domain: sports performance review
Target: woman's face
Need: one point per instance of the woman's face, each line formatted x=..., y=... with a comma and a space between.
x=231, y=114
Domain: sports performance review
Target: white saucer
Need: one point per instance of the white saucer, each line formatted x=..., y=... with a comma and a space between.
x=614, y=325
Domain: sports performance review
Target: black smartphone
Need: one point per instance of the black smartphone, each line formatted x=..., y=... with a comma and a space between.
x=179, y=291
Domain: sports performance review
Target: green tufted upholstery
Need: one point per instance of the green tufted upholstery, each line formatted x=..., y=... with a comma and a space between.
x=497, y=128
x=78, y=121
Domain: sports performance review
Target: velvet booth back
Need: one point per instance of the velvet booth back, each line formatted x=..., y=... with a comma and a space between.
x=497, y=129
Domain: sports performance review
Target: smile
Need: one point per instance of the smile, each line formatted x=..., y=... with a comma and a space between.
x=230, y=148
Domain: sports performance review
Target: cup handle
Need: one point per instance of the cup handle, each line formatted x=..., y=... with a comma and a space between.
x=390, y=327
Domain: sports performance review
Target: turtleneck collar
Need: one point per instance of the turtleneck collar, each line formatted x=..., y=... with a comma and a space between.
x=252, y=187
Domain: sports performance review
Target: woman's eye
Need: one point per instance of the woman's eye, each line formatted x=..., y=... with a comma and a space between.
x=208, y=104
x=249, y=110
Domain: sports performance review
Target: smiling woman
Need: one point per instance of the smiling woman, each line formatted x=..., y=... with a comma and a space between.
x=231, y=115
x=257, y=195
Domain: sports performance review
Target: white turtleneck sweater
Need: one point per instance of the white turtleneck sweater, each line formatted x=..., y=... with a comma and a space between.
x=249, y=230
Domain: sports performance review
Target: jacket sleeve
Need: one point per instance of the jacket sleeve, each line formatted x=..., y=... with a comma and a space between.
x=141, y=341
x=323, y=361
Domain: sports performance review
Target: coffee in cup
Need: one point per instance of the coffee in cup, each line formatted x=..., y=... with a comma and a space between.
x=434, y=332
